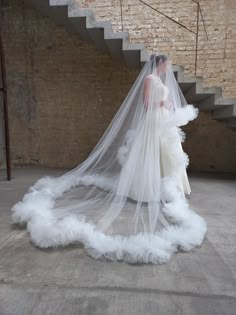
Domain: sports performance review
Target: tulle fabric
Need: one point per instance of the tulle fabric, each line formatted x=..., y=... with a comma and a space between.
x=126, y=201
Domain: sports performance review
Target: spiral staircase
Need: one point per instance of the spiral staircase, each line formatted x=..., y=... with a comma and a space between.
x=101, y=35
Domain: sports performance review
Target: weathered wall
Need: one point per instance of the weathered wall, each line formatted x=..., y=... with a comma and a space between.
x=216, y=56
x=63, y=94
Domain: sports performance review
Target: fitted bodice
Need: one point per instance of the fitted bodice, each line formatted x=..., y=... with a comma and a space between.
x=159, y=92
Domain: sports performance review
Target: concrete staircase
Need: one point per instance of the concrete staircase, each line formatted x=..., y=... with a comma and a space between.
x=101, y=35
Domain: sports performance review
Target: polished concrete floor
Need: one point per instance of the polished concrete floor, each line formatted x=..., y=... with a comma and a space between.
x=68, y=281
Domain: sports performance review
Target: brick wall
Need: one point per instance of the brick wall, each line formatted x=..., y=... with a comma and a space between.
x=63, y=94
x=216, y=56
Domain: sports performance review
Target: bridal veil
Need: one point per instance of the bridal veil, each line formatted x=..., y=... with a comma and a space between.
x=126, y=201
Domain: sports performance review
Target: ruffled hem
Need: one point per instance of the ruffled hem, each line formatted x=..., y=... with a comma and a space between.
x=186, y=231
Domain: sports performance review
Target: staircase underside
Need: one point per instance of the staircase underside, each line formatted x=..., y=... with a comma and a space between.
x=101, y=35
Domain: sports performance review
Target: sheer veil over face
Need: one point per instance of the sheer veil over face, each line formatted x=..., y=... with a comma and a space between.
x=126, y=201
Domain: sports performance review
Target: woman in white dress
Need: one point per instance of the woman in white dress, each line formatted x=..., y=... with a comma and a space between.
x=126, y=201
x=156, y=142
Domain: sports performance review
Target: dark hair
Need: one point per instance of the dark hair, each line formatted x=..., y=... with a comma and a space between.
x=158, y=58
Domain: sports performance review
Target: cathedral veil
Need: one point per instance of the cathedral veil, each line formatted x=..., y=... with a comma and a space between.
x=126, y=201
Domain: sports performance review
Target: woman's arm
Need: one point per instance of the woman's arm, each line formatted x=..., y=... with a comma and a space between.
x=146, y=91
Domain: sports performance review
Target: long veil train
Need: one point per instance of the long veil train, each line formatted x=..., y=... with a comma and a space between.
x=126, y=201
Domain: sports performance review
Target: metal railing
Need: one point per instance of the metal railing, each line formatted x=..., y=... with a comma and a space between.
x=196, y=33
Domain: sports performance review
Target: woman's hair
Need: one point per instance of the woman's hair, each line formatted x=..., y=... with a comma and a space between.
x=158, y=58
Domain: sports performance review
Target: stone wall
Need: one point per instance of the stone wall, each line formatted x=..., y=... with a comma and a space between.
x=63, y=93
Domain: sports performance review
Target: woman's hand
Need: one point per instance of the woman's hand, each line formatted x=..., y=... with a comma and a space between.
x=162, y=103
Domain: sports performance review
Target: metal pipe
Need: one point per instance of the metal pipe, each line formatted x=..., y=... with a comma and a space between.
x=3, y=90
x=121, y=16
x=196, y=49
x=168, y=17
x=199, y=13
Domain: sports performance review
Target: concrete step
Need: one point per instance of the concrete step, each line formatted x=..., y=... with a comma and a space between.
x=58, y=13
x=225, y=112
x=104, y=39
x=231, y=122
x=195, y=92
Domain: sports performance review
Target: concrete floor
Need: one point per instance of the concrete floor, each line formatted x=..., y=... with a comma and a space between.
x=67, y=281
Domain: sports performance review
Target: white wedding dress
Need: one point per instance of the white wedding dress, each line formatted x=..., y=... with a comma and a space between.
x=126, y=201
x=161, y=146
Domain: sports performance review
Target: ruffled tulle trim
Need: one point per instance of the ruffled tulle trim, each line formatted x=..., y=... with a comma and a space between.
x=186, y=114
x=180, y=117
x=186, y=232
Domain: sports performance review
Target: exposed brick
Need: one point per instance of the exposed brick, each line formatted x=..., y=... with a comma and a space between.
x=161, y=34
x=63, y=93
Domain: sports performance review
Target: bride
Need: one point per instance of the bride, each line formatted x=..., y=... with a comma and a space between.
x=127, y=200
x=157, y=109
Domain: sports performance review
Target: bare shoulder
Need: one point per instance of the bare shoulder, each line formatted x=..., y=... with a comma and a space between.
x=148, y=78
